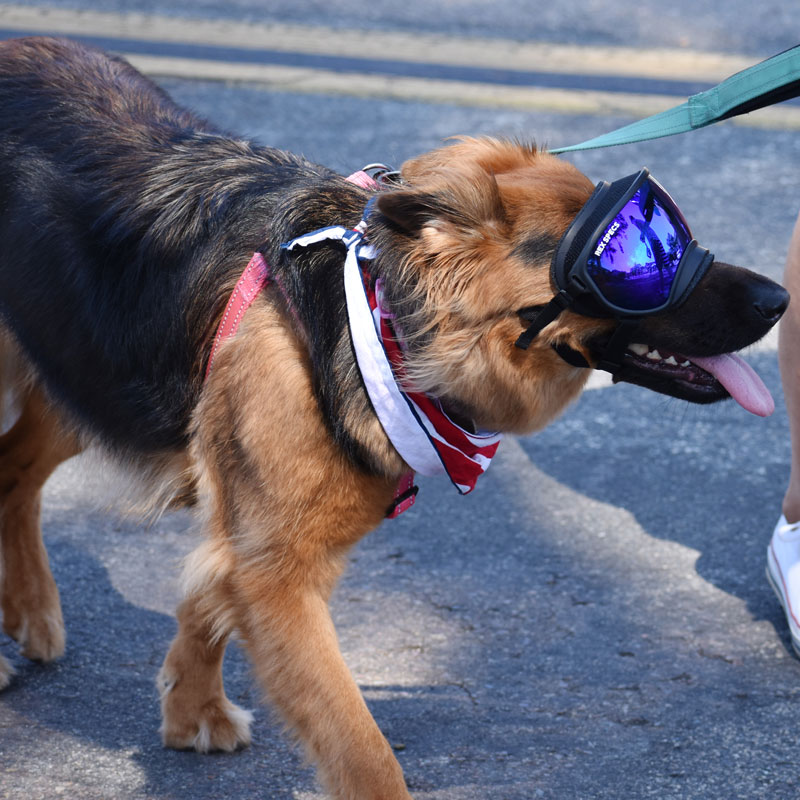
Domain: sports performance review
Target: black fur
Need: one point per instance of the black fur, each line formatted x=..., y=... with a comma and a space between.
x=126, y=222
x=538, y=249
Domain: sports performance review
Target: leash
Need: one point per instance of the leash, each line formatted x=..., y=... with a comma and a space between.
x=772, y=81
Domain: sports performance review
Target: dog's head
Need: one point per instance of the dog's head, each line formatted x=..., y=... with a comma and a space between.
x=476, y=228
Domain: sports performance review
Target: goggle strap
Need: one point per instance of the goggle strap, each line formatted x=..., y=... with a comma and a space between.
x=614, y=353
x=572, y=356
x=561, y=301
x=705, y=259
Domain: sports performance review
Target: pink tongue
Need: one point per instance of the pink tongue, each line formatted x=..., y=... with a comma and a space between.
x=741, y=381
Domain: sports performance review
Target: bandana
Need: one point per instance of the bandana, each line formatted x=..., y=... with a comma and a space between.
x=417, y=426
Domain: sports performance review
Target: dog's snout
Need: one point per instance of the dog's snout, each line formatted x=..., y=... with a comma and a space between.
x=771, y=302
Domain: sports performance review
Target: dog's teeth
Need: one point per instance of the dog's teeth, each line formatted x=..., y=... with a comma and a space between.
x=671, y=361
x=686, y=364
x=654, y=355
x=639, y=349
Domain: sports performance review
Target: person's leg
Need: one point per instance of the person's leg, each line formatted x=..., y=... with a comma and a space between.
x=783, y=554
x=789, y=360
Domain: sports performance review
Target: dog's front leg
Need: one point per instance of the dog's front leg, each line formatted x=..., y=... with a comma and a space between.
x=282, y=504
x=294, y=650
x=278, y=600
x=195, y=712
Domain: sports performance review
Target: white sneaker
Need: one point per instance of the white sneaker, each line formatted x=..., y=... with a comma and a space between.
x=783, y=572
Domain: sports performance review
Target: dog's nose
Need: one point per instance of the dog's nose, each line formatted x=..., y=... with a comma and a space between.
x=771, y=302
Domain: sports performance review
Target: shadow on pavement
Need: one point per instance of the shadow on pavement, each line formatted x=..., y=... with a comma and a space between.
x=710, y=478
x=87, y=725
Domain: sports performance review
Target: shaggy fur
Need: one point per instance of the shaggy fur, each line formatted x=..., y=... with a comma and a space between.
x=125, y=223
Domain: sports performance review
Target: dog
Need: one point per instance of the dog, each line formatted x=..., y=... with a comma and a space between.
x=126, y=223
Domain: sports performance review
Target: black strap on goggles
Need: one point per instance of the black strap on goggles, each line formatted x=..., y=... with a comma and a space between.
x=539, y=319
x=614, y=353
x=544, y=317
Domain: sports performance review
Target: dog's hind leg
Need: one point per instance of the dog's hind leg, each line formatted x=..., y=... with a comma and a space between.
x=29, y=452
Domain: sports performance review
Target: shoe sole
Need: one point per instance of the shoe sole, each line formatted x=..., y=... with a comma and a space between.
x=776, y=582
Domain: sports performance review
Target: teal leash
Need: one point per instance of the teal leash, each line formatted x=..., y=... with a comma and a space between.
x=764, y=84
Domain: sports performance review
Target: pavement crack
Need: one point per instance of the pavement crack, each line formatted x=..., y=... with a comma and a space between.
x=464, y=688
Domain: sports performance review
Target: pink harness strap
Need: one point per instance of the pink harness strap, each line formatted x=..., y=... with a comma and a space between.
x=364, y=180
x=254, y=278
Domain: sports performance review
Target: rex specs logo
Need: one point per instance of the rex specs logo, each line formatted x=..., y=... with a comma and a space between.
x=603, y=243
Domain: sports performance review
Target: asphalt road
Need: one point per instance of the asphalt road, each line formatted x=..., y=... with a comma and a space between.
x=593, y=622
x=714, y=25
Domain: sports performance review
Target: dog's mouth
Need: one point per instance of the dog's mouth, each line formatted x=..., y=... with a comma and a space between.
x=698, y=379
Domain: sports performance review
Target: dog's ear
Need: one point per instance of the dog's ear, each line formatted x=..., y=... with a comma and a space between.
x=408, y=210
x=468, y=199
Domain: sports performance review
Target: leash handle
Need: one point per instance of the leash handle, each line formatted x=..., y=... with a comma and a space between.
x=764, y=84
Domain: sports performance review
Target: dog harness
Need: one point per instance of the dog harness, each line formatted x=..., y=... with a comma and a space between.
x=254, y=278
x=419, y=429
x=416, y=424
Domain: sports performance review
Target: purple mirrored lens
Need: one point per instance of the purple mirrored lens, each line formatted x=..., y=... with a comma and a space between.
x=635, y=260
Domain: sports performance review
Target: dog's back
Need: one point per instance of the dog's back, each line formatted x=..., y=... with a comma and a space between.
x=78, y=131
x=121, y=214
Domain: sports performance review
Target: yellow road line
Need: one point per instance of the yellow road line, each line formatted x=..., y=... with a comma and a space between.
x=565, y=101
x=416, y=48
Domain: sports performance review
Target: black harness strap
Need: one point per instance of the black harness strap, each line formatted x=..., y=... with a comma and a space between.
x=572, y=356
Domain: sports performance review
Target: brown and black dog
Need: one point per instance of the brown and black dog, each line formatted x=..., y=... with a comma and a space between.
x=125, y=223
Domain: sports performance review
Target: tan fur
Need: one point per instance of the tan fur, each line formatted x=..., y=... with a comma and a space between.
x=473, y=284
x=282, y=504
x=29, y=452
x=278, y=550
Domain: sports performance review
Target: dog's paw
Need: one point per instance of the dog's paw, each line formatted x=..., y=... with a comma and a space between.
x=197, y=723
x=6, y=671
x=41, y=635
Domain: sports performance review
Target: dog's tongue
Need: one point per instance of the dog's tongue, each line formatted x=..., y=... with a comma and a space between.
x=741, y=381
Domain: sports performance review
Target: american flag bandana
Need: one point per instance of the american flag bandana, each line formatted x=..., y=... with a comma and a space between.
x=426, y=438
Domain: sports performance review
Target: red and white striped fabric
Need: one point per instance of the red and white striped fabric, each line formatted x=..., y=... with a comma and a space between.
x=463, y=456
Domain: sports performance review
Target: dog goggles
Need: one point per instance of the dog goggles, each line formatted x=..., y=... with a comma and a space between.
x=628, y=253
